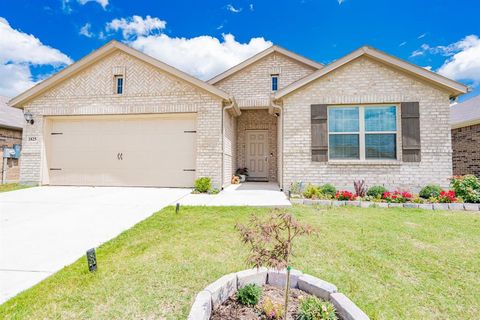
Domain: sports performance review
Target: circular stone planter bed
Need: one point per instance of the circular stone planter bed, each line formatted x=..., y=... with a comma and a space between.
x=218, y=296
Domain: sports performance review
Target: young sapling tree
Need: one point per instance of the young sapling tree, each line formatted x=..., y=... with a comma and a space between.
x=271, y=242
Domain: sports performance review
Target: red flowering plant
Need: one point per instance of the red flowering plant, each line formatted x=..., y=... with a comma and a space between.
x=397, y=196
x=447, y=197
x=344, y=196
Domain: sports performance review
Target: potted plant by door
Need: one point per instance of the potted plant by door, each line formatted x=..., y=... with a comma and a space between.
x=242, y=173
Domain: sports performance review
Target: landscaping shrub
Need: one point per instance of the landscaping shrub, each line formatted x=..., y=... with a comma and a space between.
x=447, y=197
x=360, y=188
x=311, y=192
x=376, y=191
x=467, y=187
x=432, y=190
x=296, y=187
x=344, y=196
x=312, y=308
x=328, y=190
x=272, y=310
x=397, y=196
x=203, y=184
x=249, y=295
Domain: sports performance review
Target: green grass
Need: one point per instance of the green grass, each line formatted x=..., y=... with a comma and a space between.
x=11, y=187
x=393, y=263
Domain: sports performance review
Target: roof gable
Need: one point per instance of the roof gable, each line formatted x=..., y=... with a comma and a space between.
x=455, y=88
x=97, y=55
x=261, y=55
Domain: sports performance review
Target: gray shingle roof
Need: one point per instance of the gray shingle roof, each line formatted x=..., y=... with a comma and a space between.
x=465, y=113
x=10, y=117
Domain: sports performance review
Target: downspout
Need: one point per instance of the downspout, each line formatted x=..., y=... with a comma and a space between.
x=273, y=106
x=231, y=105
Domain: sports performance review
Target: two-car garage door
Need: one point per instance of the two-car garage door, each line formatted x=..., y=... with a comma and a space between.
x=134, y=150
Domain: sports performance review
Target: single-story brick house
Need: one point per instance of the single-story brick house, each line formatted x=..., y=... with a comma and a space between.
x=11, y=126
x=465, y=120
x=120, y=117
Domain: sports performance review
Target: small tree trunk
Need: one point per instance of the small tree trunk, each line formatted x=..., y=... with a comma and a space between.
x=287, y=289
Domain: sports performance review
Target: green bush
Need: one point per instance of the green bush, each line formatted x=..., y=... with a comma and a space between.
x=203, y=184
x=312, y=308
x=249, y=295
x=328, y=190
x=430, y=191
x=467, y=187
x=376, y=191
x=311, y=192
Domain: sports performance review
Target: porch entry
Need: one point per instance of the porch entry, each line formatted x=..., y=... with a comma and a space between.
x=257, y=154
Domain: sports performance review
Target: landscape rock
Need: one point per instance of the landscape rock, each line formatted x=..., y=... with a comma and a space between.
x=277, y=278
x=425, y=206
x=346, y=308
x=440, y=206
x=315, y=286
x=456, y=206
x=256, y=276
x=471, y=206
x=202, y=307
x=222, y=288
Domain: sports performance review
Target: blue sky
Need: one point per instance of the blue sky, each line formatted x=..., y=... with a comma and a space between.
x=203, y=38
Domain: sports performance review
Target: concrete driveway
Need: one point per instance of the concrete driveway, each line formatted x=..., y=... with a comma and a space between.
x=44, y=229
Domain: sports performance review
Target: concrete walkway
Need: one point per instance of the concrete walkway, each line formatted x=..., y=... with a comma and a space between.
x=46, y=228
x=258, y=194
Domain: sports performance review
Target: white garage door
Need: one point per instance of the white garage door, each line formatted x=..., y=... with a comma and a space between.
x=150, y=150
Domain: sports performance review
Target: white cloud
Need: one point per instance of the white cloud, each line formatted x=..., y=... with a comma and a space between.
x=341, y=1
x=402, y=44
x=18, y=52
x=421, y=36
x=464, y=61
x=203, y=56
x=251, y=7
x=231, y=8
x=14, y=78
x=103, y=3
x=85, y=30
x=136, y=26
x=66, y=6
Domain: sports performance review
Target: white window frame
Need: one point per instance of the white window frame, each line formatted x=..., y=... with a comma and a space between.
x=115, y=83
x=277, y=76
x=361, y=133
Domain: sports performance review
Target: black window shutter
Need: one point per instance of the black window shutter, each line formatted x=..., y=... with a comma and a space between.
x=319, y=132
x=411, y=147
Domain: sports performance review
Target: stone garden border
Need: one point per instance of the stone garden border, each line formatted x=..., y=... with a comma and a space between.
x=219, y=291
x=475, y=207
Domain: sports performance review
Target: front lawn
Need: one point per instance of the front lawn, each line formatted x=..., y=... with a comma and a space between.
x=393, y=263
x=11, y=187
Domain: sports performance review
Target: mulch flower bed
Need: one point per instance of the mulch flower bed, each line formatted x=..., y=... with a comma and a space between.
x=234, y=310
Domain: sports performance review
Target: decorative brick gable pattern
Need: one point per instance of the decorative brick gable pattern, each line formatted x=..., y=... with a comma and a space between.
x=147, y=90
x=367, y=81
x=252, y=85
x=466, y=150
x=258, y=120
x=8, y=138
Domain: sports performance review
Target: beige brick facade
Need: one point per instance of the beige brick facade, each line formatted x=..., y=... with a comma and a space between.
x=147, y=90
x=221, y=134
x=365, y=81
x=251, y=86
x=466, y=150
x=9, y=137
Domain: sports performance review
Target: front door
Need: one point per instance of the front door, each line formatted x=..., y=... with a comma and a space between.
x=257, y=154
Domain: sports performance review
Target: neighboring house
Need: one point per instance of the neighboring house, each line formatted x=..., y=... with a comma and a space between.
x=119, y=117
x=465, y=120
x=11, y=124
